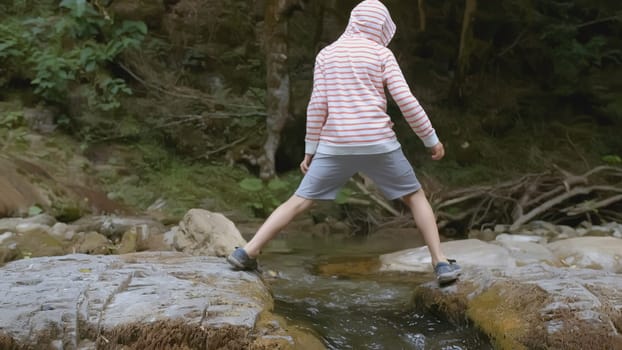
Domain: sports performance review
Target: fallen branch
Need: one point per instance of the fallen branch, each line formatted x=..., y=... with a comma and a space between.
x=557, y=200
x=591, y=206
x=224, y=147
x=547, y=205
x=186, y=93
x=378, y=200
x=534, y=196
x=461, y=199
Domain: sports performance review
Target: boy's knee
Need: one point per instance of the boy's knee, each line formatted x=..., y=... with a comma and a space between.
x=301, y=204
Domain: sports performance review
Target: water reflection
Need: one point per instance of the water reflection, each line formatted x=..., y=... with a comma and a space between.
x=356, y=313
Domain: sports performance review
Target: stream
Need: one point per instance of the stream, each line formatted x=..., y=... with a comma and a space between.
x=361, y=312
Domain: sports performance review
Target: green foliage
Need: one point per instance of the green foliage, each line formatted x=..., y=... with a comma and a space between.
x=160, y=176
x=612, y=159
x=70, y=46
x=344, y=195
x=251, y=184
x=551, y=50
x=265, y=196
x=573, y=58
x=13, y=130
x=12, y=119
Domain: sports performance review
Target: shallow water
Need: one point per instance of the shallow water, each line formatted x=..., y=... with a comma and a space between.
x=361, y=312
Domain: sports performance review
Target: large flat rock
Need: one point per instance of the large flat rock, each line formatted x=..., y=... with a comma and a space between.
x=535, y=306
x=468, y=252
x=148, y=300
x=524, y=295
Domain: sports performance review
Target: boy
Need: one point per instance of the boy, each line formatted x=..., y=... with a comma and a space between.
x=349, y=131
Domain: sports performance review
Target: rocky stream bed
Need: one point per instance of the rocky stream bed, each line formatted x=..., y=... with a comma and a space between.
x=83, y=285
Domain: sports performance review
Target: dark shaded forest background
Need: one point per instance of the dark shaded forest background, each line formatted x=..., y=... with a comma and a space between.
x=512, y=86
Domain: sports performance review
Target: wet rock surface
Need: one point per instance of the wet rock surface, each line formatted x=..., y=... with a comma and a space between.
x=152, y=300
x=535, y=306
x=525, y=295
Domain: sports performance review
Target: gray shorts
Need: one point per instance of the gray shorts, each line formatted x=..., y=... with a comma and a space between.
x=391, y=172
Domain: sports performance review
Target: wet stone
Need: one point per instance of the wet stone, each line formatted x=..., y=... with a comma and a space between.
x=535, y=306
x=77, y=300
x=590, y=252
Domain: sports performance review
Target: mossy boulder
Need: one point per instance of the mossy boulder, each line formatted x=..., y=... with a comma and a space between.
x=534, y=307
x=92, y=243
x=129, y=242
x=33, y=243
x=526, y=296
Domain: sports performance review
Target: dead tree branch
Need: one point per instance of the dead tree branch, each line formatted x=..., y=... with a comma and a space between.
x=557, y=195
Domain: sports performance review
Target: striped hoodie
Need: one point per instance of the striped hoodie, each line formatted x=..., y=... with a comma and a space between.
x=347, y=113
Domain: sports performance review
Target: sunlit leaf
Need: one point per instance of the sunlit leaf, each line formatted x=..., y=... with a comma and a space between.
x=34, y=210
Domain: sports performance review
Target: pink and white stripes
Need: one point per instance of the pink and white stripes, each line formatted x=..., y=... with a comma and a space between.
x=347, y=110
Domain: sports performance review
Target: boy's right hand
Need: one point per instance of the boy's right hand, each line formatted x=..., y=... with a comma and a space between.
x=304, y=165
x=438, y=151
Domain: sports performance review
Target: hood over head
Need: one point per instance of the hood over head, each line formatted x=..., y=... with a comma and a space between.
x=371, y=20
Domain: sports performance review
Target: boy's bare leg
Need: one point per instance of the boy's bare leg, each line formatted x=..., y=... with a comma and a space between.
x=426, y=222
x=279, y=218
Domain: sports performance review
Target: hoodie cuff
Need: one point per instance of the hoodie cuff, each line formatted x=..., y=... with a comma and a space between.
x=430, y=140
x=310, y=147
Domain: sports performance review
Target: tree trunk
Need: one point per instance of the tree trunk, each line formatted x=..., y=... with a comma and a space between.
x=466, y=43
x=277, y=80
x=422, y=18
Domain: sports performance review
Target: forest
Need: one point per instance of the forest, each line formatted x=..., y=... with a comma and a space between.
x=142, y=142
x=525, y=95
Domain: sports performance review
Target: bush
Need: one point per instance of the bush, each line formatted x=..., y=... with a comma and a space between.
x=69, y=46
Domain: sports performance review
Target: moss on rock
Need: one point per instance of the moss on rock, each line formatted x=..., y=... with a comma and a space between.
x=38, y=243
x=508, y=313
x=173, y=335
x=533, y=307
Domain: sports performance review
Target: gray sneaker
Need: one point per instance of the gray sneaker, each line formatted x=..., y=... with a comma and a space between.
x=241, y=261
x=447, y=272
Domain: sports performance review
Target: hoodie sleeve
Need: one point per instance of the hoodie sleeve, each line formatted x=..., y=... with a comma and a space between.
x=414, y=114
x=317, y=109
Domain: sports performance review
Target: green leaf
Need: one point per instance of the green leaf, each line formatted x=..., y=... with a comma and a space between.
x=343, y=196
x=277, y=184
x=34, y=210
x=6, y=44
x=612, y=159
x=251, y=184
x=90, y=67
x=141, y=27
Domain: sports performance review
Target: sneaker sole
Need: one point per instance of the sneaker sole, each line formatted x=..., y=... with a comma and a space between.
x=449, y=277
x=235, y=263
